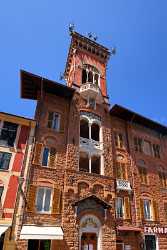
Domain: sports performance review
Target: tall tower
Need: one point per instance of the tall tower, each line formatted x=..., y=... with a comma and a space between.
x=86, y=67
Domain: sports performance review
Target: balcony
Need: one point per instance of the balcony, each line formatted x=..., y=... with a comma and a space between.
x=91, y=90
x=90, y=145
x=123, y=185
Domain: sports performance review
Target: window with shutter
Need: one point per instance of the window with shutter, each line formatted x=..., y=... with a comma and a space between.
x=127, y=208
x=48, y=157
x=141, y=209
x=37, y=158
x=54, y=120
x=52, y=157
x=143, y=175
x=147, y=209
x=121, y=171
x=62, y=123
x=119, y=207
x=162, y=178
x=156, y=150
x=43, y=199
x=165, y=209
x=138, y=144
x=45, y=157
x=56, y=202
x=147, y=147
x=155, y=214
x=119, y=140
x=31, y=199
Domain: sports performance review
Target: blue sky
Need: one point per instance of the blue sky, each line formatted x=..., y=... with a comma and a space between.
x=34, y=37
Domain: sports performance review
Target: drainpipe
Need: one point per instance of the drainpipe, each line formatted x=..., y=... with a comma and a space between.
x=22, y=191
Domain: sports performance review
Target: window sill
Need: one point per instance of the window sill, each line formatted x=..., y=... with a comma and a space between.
x=148, y=156
x=93, y=174
x=123, y=219
x=43, y=212
x=4, y=170
x=145, y=185
x=150, y=221
x=55, y=130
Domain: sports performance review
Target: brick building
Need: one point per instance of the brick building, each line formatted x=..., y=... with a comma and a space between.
x=98, y=175
x=16, y=135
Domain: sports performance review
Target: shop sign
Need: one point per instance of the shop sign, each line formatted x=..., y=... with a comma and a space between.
x=157, y=230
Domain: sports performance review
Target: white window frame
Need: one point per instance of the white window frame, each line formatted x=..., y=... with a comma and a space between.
x=150, y=207
x=117, y=216
x=43, y=202
x=58, y=121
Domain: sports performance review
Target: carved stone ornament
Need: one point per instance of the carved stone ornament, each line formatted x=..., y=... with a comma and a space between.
x=89, y=222
x=90, y=115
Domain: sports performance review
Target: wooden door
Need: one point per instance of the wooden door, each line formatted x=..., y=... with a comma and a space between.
x=120, y=246
x=89, y=241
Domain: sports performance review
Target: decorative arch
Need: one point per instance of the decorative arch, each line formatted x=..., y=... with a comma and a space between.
x=45, y=182
x=98, y=189
x=83, y=188
x=90, y=224
x=49, y=139
x=121, y=158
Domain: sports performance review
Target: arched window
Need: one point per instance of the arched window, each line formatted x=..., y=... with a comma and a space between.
x=95, y=130
x=90, y=74
x=84, y=129
x=83, y=162
x=90, y=77
x=84, y=76
x=142, y=171
x=96, y=79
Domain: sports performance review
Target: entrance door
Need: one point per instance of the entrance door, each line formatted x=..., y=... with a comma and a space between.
x=150, y=242
x=39, y=244
x=89, y=241
x=120, y=246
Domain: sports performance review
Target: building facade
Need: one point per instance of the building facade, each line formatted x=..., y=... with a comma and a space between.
x=16, y=135
x=97, y=175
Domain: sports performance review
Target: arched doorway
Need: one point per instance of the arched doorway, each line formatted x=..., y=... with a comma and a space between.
x=90, y=233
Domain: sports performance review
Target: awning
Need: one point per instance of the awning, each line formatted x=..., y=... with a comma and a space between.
x=41, y=232
x=3, y=228
x=126, y=228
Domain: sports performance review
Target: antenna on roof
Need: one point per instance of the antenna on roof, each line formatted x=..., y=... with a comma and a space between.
x=95, y=38
x=61, y=77
x=113, y=51
x=71, y=28
x=92, y=36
